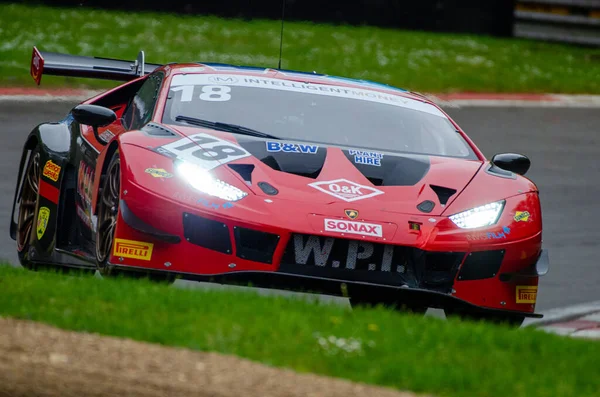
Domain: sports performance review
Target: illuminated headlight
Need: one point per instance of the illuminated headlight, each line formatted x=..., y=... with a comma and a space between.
x=486, y=215
x=201, y=180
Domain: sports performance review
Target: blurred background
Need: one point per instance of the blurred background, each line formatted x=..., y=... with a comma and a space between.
x=568, y=21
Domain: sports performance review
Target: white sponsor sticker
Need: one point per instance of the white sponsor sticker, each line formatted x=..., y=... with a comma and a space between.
x=217, y=88
x=351, y=227
x=313, y=245
x=346, y=190
x=204, y=150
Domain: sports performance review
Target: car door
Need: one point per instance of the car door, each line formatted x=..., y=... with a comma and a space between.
x=135, y=114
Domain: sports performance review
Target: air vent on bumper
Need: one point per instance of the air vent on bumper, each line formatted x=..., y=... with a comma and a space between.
x=206, y=233
x=480, y=265
x=255, y=245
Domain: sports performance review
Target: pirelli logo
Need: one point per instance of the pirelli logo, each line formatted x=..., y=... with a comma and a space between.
x=51, y=170
x=133, y=249
x=526, y=293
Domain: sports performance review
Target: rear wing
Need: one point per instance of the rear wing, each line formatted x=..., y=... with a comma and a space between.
x=52, y=63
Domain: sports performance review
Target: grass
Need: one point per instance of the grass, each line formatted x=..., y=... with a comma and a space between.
x=377, y=346
x=420, y=61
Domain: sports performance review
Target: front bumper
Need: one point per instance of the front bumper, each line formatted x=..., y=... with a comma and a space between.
x=477, y=281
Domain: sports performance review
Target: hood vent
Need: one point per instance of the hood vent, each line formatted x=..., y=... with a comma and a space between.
x=245, y=171
x=267, y=188
x=376, y=181
x=389, y=169
x=443, y=193
x=426, y=206
x=153, y=129
x=299, y=169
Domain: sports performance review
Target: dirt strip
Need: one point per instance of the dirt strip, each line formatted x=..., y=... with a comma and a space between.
x=39, y=360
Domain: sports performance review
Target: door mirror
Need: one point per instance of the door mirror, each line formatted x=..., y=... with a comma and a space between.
x=94, y=116
x=513, y=162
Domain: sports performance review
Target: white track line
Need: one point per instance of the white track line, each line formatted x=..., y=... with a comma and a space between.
x=562, y=314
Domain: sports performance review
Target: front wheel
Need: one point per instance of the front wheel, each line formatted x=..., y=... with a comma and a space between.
x=108, y=214
x=28, y=207
x=514, y=320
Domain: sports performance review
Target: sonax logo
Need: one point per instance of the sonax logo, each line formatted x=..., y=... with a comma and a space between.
x=133, y=249
x=526, y=293
x=346, y=190
x=362, y=228
x=51, y=170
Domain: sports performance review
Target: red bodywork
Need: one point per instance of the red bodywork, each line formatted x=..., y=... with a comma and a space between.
x=300, y=208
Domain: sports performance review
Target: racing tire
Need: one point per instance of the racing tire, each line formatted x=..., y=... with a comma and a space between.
x=28, y=210
x=28, y=203
x=513, y=320
x=404, y=307
x=108, y=214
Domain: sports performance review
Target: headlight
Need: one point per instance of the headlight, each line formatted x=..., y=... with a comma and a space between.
x=201, y=180
x=486, y=215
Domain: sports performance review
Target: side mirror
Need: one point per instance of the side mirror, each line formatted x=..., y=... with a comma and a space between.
x=513, y=162
x=94, y=116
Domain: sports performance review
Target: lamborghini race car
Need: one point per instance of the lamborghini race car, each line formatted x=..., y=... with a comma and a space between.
x=281, y=179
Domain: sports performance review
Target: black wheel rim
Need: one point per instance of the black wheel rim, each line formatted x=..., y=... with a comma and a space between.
x=29, y=195
x=107, y=213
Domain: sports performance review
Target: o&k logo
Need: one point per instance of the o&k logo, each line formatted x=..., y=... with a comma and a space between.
x=133, y=249
x=346, y=190
x=362, y=228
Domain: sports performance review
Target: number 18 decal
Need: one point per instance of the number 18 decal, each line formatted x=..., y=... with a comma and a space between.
x=206, y=151
x=212, y=93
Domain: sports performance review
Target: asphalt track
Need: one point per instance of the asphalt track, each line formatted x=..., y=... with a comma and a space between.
x=562, y=143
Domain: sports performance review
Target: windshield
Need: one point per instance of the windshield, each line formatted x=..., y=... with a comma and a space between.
x=319, y=113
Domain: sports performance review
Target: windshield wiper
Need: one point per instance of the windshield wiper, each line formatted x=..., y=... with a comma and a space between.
x=219, y=126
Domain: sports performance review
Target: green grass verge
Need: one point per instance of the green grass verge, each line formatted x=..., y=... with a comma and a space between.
x=425, y=62
x=448, y=358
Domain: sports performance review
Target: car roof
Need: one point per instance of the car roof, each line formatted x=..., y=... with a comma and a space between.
x=284, y=74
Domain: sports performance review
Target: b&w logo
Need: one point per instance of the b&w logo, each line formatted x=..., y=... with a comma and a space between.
x=346, y=190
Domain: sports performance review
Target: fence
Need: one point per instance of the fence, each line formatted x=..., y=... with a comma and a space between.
x=491, y=17
x=568, y=21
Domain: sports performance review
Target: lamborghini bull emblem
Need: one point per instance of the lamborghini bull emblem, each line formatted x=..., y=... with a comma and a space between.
x=352, y=214
x=42, y=222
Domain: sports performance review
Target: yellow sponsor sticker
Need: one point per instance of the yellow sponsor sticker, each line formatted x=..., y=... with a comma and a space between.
x=133, y=249
x=42, y=222
x=522, y=216
x=51, y=170
x=159, y=173
x=526, y=293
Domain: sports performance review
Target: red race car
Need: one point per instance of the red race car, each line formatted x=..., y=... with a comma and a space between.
x=281, y=179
